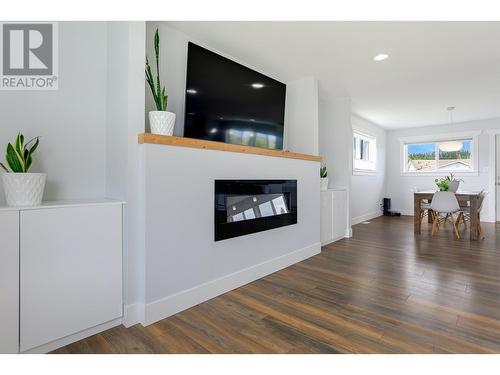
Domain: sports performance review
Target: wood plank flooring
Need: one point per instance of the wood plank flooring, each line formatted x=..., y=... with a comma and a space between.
x=382, y=291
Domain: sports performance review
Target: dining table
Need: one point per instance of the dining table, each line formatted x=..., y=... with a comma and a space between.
x=465, y=198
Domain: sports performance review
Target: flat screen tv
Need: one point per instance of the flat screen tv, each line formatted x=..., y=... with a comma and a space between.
x=228, y=102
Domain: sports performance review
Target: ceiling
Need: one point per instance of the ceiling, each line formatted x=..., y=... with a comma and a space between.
x=431, y=65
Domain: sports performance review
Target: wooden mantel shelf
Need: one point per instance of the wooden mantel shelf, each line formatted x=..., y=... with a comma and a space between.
x=220, y=146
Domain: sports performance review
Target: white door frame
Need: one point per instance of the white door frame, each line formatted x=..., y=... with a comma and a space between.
x=493, y=174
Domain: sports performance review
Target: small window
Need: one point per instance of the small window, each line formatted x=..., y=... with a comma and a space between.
x=364, y=153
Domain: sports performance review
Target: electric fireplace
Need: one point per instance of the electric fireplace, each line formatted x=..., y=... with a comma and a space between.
x=249, y=206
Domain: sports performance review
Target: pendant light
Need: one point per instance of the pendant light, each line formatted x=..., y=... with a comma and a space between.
x=450, y=146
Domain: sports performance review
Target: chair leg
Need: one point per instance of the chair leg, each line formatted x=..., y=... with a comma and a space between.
x=479, y=229
x=455, y=226
x=445, y=219
x=459, y=218
x=435, y=223
x=463, y=220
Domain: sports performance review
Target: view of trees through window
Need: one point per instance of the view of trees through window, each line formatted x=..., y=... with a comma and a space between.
x=439, y=156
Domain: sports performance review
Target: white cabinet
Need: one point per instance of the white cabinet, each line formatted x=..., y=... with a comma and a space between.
x=334, y=213
x=9, y=282
x=71, y=271
x=61, y=273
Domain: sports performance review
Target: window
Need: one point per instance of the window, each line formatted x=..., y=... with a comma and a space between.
x=441, y=155
x=364, y=152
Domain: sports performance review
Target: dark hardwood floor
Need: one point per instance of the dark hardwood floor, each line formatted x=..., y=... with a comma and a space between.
x=382, y=291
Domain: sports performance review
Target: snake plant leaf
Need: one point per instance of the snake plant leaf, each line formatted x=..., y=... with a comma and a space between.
x=29, y=159
x=19, y=144
x=13, y=160
x=4, y=168
x=27, y=163
x=155, y=85
x=35, y=145
x=163, y=100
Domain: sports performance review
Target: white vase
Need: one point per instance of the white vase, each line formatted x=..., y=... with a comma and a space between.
x=162, y=122
x=324, y=183
x=23, y=189
x=453, y=186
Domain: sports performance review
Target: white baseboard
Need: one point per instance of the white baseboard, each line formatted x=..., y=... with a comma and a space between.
x=365, y=217
x=332, y=240
x=178, y=302
x=56, y=344
x=404, y=212
x=348, y=233
x=133, y=314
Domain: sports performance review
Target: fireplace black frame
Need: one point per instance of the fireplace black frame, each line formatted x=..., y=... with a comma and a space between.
x=224, y=188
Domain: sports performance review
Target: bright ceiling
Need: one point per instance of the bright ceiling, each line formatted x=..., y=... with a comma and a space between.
x=431, y=65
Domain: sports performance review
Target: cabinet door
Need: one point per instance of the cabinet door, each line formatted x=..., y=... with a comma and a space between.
x=9, y=282
x=326, y=216
x=339, y=213
x=71, y=271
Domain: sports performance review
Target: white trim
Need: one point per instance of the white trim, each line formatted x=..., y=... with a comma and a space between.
x=441, y=174
x=56, y=344
x=365, y=217
x=373, y=153
x=178, y=302
x=403, y=212
x=348, y=233
x=492, y=169
x=364, y=172
x=133, y=314
x=332, y=240
x=474, y=134
x=440, y=137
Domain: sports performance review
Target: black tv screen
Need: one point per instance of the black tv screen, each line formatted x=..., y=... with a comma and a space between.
x=228, y=102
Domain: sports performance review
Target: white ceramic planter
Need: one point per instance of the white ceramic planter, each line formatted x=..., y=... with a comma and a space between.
x=162, y=122
x=453, y=186
x=324, y=183
x=23, y=189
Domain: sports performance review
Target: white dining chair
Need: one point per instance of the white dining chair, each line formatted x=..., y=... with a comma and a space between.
x=444, y=203
x=464, y=215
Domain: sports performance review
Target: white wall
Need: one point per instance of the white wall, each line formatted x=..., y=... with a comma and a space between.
x=335, y=143
x=124, y=156
x=335, y=140
x=71, y=120
x=399, y=187
x=184, y=265
x=301, y=118
x=367, y=191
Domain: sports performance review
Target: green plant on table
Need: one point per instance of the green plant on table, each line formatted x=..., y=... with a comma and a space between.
x=158, y=92
x=19, y=156
x=323, y=173
x=444, y=182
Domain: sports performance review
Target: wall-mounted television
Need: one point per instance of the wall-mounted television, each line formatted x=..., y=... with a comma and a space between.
x=228, y=102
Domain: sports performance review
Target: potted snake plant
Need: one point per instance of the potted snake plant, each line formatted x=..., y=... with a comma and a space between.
x=21, y=187
x=323, y=174
x=161, y=121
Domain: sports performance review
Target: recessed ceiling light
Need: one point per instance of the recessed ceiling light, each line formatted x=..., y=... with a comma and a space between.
x=191, y=91
x=381, y=57
x=257, y=85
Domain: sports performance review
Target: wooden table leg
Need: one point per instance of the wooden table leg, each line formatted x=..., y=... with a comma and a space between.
x=473, y=218
x=429, y=216
x=416, y=214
